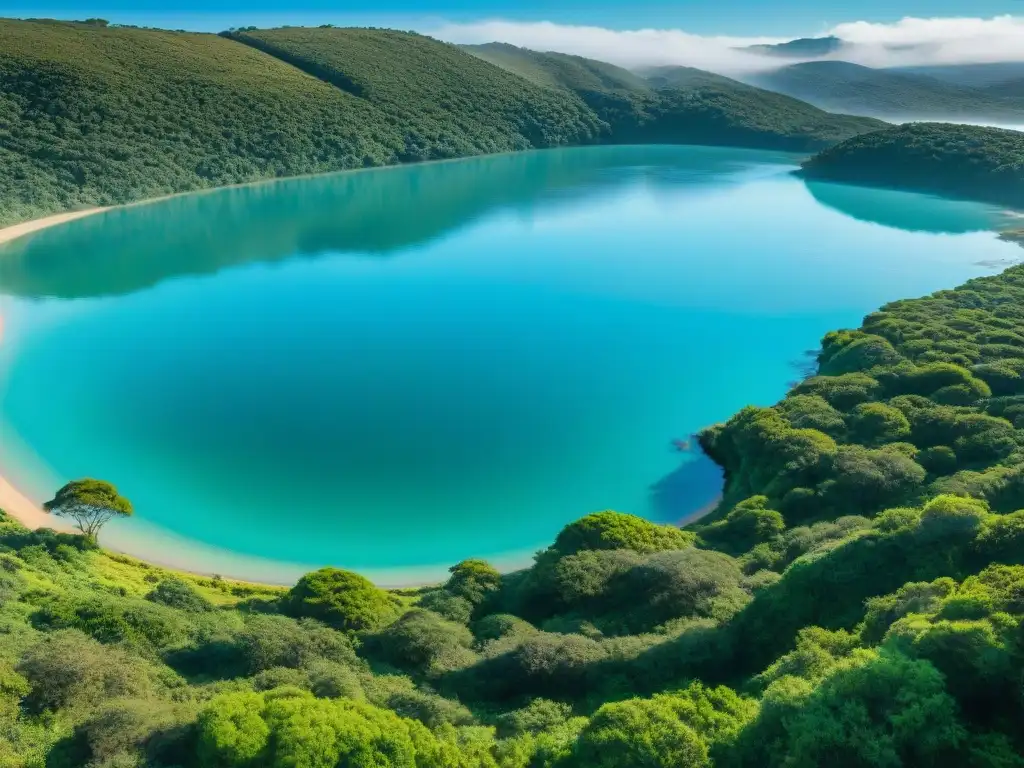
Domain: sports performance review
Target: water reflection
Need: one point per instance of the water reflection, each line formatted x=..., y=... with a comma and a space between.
x=374, y=212
x=909, y=211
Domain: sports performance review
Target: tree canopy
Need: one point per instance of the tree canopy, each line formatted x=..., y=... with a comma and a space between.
x=91, y=504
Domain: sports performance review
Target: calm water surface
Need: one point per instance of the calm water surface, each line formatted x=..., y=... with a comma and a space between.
x=393, y=370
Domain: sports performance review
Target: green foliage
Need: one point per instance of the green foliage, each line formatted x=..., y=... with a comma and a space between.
x=963, y=160
x=67, y=669
x=639, y=732
x=99, y=115
x=90, y=503
x=877, y=423
x=678, y=104
x=473, y=580
x=341, y=599
x=873, y=709
x=749, y=523
x=854, y=351
x=177, y=593
x=421, y=641
x=614, y=530
x=289, y=727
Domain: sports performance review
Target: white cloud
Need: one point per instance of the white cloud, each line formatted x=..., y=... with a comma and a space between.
x=631, y=48
x=909, y=41
x=935, y=41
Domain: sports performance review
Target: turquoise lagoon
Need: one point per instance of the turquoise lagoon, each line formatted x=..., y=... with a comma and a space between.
x=392, y=370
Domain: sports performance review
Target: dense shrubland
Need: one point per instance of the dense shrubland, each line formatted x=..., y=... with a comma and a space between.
x=92, y=114
x=856, y=599
x=968, y=161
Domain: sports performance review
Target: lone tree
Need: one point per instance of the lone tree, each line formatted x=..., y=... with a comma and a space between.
x=90, y=503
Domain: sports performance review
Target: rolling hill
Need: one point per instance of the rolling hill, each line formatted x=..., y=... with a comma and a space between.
x=957, y=160
x=889, y=94
x=987, y=76
x=97, y=115
x=672, y=104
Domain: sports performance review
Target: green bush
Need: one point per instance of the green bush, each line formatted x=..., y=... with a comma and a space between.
x=341, y=599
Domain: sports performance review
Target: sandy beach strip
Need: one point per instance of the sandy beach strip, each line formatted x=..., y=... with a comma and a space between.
x=15, y=231
x=25, y=511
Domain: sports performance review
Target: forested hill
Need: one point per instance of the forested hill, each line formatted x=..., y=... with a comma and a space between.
x=958, y=160
x=96, y=115
x=683, y=104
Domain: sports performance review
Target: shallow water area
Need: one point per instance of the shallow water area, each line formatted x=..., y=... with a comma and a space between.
x=396, y=369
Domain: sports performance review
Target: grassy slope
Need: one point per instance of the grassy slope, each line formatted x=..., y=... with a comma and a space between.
x=845, y=87
x=964, y=161
x=680, y=104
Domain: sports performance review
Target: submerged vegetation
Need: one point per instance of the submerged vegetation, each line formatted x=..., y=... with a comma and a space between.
x=92, y=114
x=855, y=599
x=966, y=161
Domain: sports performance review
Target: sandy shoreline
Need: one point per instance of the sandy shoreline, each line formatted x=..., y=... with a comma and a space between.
x=15, y=231
x=21, y=508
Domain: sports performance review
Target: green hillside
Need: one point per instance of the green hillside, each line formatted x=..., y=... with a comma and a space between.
x=857, y=593
x=679, y=104
x=449, y=103
x=889, y=94
x=560, y=70
x=95, y=115
x=958, y=160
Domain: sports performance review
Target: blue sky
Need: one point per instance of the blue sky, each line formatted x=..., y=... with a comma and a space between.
x=707, y=17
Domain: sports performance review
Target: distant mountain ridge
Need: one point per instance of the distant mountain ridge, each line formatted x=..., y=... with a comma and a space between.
x=801, y=48
x=888, y=94
x=667, y=104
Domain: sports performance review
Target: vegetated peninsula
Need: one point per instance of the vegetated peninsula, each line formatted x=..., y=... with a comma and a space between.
x=857, y=593
x=964, y=161
x=93, y=115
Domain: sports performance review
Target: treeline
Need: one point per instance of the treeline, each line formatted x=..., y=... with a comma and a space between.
x=99, y=115
x=855, y=600
x=966, y=161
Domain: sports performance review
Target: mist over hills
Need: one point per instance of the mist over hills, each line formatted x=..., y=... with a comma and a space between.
x=895, y=94
x=801, y=48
